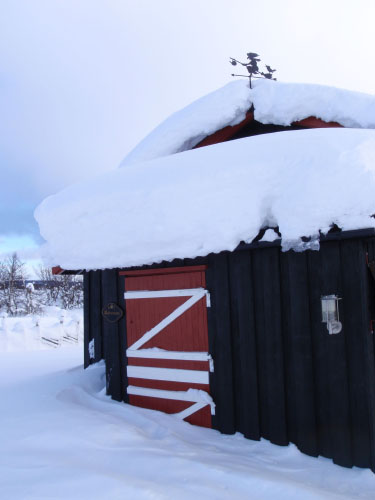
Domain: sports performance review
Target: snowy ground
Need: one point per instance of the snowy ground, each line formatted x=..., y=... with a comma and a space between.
x=62, y=438
x=56, y=327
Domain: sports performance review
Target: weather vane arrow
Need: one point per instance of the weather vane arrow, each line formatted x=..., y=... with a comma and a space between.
x=252, y=67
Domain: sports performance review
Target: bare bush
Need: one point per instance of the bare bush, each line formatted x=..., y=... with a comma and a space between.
x=19, y=296
x=65, y=290
x=13, y=276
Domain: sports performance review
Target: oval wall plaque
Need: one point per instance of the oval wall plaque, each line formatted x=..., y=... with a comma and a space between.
x=112, y=312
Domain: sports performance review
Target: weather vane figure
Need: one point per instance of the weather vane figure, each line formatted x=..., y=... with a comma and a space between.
x=253, y=68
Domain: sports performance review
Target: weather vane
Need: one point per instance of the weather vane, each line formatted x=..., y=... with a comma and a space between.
x=253, y=68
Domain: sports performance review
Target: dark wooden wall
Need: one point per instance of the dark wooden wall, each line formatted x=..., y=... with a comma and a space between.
x=278, y=373
x=100, y=288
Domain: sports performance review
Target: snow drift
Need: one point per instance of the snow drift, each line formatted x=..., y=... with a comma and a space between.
x=210, y=199
x=63, y=438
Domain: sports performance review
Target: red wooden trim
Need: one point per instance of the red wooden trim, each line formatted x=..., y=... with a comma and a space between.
x=169, y=406
x=225, y=133
x=169, y=363
x=167, y=385
x=57, y=270
x=312, y=122
x=201, y=418
x=166, y=270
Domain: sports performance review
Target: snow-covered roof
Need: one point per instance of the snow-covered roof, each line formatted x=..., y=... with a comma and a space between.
x=210, y=199
x=274, y=102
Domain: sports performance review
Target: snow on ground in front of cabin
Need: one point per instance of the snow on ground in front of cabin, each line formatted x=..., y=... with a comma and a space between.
x=210, y=199
x=63, y=438
x=279, y=103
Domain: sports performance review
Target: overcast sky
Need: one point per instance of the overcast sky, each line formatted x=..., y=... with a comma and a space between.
x=82, y=81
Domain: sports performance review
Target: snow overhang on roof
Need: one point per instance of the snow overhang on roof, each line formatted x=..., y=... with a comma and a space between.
x=274, y=102
x=211, y=199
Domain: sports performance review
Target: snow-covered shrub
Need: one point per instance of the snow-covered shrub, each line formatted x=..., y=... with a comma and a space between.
x=33, y=301
x=12, y=276
x=64, y=290
x=71, y=291
x=19, y=297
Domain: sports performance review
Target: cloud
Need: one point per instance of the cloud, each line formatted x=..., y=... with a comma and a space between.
x=22, y=243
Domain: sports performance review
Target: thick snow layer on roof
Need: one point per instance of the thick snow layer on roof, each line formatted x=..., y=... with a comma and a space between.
x=274, y=102
x=186, y=128
x=210, y=199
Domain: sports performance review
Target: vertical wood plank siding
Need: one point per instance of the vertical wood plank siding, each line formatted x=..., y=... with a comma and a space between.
x=122, y=336
x=244, y=354
x=220, y=339
x=369, y=348
x=320, y=353
x=95, y=308
x=278, y=373
x=298, y=348
x=111, y=337
x=270, y=352
x=86, y=320
x=357, y=326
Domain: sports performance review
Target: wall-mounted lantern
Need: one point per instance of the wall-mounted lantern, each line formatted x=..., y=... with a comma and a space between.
x=330, y=313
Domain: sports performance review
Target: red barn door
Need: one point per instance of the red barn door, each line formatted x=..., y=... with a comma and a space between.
x=167, y=342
